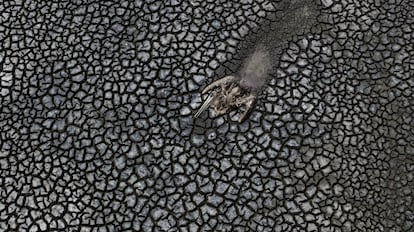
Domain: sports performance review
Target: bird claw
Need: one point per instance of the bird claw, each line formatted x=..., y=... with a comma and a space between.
x=227, y=95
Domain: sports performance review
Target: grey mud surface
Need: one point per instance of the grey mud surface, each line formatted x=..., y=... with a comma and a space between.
x=97, y=102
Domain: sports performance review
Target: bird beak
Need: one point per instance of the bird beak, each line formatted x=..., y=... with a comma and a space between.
x=205, y=105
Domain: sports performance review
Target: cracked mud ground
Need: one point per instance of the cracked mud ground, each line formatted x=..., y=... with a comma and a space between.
x=96, y=128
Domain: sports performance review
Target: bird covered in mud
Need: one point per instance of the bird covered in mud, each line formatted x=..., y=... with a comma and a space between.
x=239, y=91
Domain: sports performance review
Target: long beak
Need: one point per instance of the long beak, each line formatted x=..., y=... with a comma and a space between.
x=205, y=105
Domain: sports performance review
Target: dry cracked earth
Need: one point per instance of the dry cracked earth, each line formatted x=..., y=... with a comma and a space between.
x=98, y=97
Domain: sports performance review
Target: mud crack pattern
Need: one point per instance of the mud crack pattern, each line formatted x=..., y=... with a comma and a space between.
x=96, y=128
